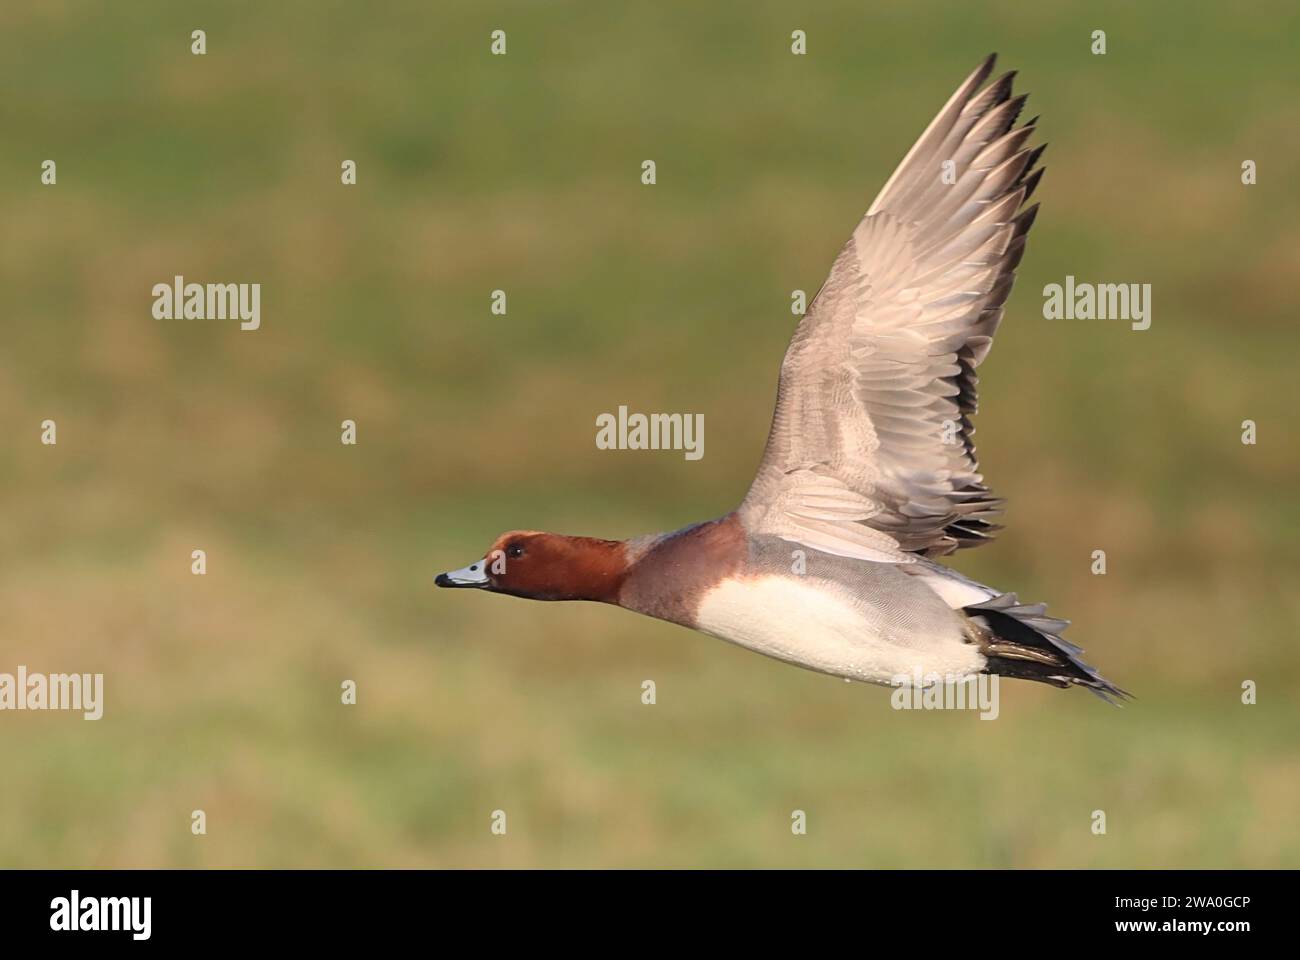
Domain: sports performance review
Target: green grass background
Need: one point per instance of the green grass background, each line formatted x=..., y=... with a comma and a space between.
x=522, y=173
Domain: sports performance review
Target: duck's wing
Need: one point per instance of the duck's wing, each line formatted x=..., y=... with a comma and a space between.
x=870, y=453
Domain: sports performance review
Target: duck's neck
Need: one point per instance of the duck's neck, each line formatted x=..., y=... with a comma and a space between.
x=595, y=569
x=669, y=574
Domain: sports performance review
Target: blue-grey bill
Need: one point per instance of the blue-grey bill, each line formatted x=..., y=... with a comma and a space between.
x=475, y=575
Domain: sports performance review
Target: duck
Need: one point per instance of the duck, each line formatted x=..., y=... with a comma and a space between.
x=869, y=475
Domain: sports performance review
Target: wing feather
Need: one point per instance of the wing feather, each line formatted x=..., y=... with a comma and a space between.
x=870, y=454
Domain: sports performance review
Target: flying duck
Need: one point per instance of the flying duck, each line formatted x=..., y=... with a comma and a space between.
x=870, y=473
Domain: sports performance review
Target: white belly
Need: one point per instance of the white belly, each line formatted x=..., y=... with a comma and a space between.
x=826, y=630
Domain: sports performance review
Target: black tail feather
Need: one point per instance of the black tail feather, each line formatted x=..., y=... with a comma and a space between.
x=1021, y=641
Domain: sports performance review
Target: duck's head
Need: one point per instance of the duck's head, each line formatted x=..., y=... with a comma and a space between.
x=546, y=566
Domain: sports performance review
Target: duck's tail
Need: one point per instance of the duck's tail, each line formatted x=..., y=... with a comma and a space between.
x=1020, y=640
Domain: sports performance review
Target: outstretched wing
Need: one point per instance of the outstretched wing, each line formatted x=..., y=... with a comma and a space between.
x=870, y=453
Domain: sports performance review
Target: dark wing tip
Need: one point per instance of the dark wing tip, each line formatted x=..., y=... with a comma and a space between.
x=981, y=73
x=1031, y=182
x=1026, y=217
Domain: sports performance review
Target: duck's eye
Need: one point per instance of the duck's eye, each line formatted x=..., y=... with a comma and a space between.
x=514, y=551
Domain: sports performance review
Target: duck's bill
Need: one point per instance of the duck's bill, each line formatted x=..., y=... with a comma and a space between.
x=475, y=575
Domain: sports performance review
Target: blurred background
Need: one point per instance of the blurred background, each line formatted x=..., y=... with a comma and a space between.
x=522, y=173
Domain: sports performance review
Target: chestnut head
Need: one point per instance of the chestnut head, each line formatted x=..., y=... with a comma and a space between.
x=545, y=566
